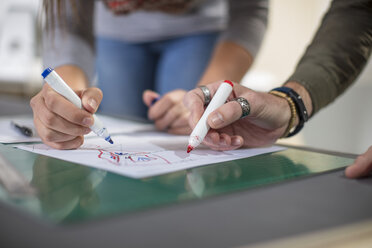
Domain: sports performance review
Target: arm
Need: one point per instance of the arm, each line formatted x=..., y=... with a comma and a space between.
x=337, y=53
x=231, y=59
x=335, y=57
x=68, y=37
x=67, y=47
x=239, y=43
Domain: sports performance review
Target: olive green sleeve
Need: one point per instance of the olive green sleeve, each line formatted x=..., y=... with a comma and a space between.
x=338, y=52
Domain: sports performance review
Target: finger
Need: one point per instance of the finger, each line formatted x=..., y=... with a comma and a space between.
x=181, y=121
x=229, y=142
x=195, y=104
x=362, y=166
x=225, y=142
x=170, y=116
x=64, y=108
x=54, y=122
x=91, y=98
x=49, y=135
x=149, y=97
x=162, y=106
x=67, y=145
x=185, y=130
x=225, y=115
x=194, y=101
x=212, y=138
x=213, y=87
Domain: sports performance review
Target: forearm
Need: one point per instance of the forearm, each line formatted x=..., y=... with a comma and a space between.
x=70, y=40
x=229, y=61
x=240, y=41
x=73, y=76
x=338, y=52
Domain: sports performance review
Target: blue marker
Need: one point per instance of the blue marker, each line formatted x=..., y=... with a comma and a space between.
x=60, y=86
x=155, y=100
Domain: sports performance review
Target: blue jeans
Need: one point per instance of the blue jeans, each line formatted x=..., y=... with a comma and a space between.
x=125, y=69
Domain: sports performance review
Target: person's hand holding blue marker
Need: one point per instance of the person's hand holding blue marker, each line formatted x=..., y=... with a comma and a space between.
x=59, y=123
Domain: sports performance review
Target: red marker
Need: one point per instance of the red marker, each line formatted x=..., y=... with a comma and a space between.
x=201, y=129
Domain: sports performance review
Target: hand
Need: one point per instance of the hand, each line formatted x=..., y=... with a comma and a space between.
x=362, y=166
x=169, y=112
x=59, y=123
x=267, y=121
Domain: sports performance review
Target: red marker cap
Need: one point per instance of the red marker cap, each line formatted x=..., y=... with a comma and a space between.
x=229, y=82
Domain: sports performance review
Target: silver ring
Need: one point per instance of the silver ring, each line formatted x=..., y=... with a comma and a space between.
x=206, y=93
x=244, y=104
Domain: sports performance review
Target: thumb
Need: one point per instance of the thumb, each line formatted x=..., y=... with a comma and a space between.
x=91, y=99
x=225, y=115
x=149, y=96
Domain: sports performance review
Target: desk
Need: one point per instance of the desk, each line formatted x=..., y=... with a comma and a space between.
x=238, y=218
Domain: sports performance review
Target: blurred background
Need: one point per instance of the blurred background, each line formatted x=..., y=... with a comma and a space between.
x=344, y=126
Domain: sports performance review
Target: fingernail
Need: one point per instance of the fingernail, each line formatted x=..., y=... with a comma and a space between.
x=92, y=103
x=87, y=130
x=88, y=121
x=207, y=139
x=236, y=142
x=217, y=119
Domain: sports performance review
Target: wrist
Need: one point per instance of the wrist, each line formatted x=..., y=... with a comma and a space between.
x=300, y=89
x=288, y=111
x=299, y=113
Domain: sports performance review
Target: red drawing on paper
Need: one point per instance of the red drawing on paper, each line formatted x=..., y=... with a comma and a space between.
x=111, y=157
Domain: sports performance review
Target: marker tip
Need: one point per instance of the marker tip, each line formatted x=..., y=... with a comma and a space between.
x=110, y=141
x=189, y=148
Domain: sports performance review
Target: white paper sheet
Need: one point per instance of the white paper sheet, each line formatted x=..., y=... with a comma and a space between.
x=144, y=154
x=9, y=134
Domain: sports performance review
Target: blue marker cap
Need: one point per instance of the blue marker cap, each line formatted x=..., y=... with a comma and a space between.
x=154, y=100
x=46, y=72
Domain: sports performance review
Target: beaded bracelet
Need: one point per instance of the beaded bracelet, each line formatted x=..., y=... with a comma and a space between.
x=292, y=108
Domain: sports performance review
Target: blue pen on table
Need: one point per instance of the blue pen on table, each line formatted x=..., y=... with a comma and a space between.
x=56, y=82
x=26, y=131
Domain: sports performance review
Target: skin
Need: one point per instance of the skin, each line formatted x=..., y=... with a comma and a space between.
x=59, y=123
x=362, y=166
x=265, y=124
x=170, y=114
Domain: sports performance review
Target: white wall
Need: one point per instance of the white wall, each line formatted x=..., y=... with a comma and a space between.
x=346, y=124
